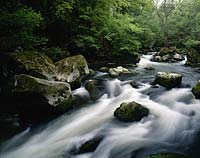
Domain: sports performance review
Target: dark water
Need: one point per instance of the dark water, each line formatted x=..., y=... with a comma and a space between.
x=172, y=126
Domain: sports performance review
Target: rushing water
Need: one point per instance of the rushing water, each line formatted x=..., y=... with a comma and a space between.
x=172, y=125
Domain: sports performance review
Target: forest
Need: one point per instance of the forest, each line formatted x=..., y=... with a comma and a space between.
x=99, y=78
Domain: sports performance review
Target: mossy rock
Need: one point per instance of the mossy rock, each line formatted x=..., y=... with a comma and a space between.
x=95, y=88
x=35, y=63
x=57, y=94
x=129, y=112
x=196, y=90
x=168, y=79
x=166, y=155
x=72, y=70
x=193, y=57
x=32, y=63
x=90, y=145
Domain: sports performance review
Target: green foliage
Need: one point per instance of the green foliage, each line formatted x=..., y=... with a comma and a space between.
x=17, y=28
x=56, y=53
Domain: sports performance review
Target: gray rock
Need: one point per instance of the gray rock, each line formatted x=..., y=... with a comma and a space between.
x=129, y=112
x=72, y=70
x=196, y=90
x=168, y=79
x=38, y=99
x=95, y=88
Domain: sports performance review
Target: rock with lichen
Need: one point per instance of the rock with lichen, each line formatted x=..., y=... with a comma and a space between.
x=95, y=88
x=40, y=98
x=29, y=62
x=196, y=90
x=129, y=112
x=72, y=70
x=168, y=79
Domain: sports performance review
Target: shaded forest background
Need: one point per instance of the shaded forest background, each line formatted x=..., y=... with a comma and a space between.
x=98, y=27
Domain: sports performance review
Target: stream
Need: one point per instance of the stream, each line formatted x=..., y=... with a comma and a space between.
x=172, y=125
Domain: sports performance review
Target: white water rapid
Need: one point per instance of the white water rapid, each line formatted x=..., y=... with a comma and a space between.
x=172, y=124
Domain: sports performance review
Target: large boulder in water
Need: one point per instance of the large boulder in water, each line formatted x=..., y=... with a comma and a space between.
x=30, y=62
x=72, y=70
x=196, y=90
x=39, y=97
x=115, y=72
x=166, y=155
x=90, y=145
x=168, y=79
x=95, y=88
x=168, y=55
x=129, y=112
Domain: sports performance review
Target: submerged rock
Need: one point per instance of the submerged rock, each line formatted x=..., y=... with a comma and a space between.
x=90, y=146
x=149, y=68
x=168, y=79
x=95, y=88
x=72, y=70
x=38, y=97
x=166, y=155
x=196, y=90
x=129, y=112
x=134, y=84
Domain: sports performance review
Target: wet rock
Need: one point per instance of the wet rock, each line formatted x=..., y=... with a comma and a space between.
x=135, y=84
x=90, y=146
x=129, y=112
x=193, y=57
x=39, y=98
x=157, y=58
x=168, y=55
x=179, y=57
x=72, y=70
x=196, y=90
x=149, y=68
x=35, y=64
x=95, y=88
x=91, y=73
x=104, y=69
x=166, y=155
x=32, y=63
x=168, y=79
x=115, y=72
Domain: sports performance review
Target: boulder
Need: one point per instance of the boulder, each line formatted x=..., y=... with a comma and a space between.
x=168, y=79
x=95, y=88
x=168, y=55
x=104, y=69
x=115, y=72
x=193, y=57
x=179, y=57
x=196, y=90
x=92, y=73
x=166, y=155
x=134, y=84
x=39, y=98
x=72, y=70
x=35, y=64
x=129, y=112
x=90, y=145
x=32, y=63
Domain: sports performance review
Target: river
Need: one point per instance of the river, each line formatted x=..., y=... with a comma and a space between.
x=171, y=126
